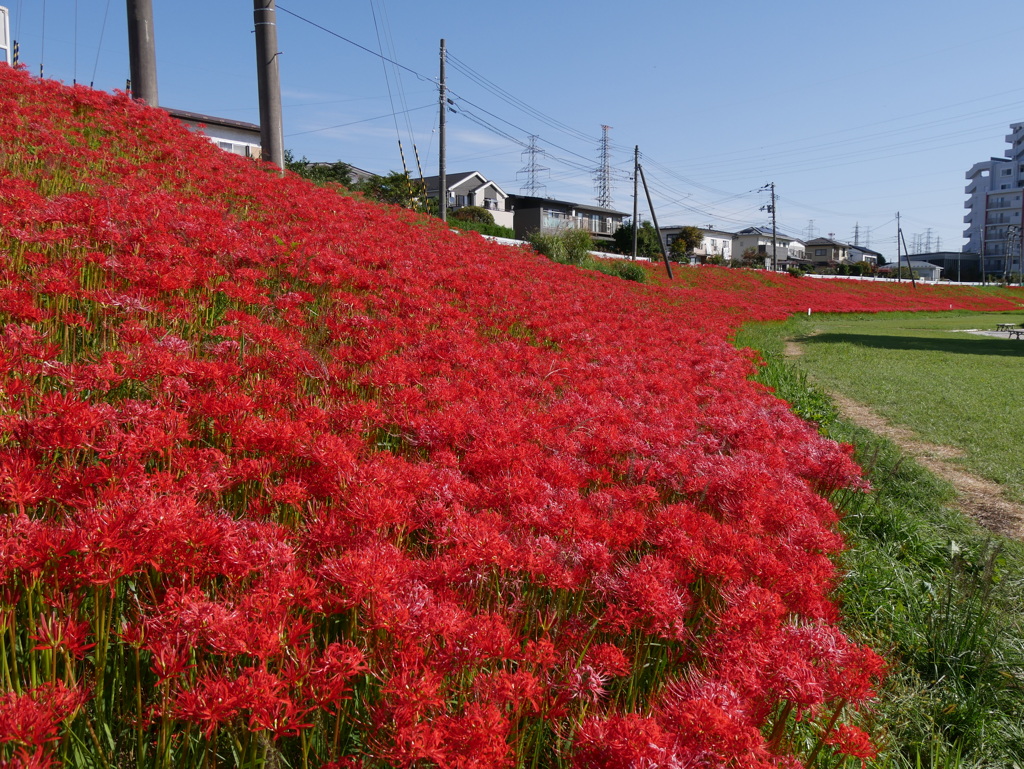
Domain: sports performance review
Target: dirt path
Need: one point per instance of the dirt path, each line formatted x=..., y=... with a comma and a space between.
x=982, y=500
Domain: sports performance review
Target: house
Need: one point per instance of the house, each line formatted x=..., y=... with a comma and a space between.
x=550, y=216
x=230, y=135
x=787, y=250
x=864, y=254
x=471, y=188
x=5, y=37
x=923, y=270
x=826, y=252
x=714, y=243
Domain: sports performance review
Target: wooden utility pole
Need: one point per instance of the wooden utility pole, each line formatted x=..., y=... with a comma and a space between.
x=268, y=76
x=442, y=173
x=142, y=51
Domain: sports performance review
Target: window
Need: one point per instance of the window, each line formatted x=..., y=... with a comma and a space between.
x=1006, y=171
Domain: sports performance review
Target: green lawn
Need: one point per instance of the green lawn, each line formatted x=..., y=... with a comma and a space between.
x=940, y=597
x=922, y=370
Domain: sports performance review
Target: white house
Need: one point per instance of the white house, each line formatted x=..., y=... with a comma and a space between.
x=230, y=135
x=863, y=254
x=785, y=247
x=5, y=36
x=471, y=188
x=714, y=242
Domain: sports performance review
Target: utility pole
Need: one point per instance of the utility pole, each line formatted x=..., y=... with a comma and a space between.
x=654, y=216
x=142, y=51
x=771, y=209
x=268, y=76
x=442, y=173
x=636, y=181
x=899, y=256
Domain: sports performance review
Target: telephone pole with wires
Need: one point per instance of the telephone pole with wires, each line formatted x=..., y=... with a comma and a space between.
x=636, y=182
x=268, y=75
x=771, y=209
x=141, y=51
x=442, y=175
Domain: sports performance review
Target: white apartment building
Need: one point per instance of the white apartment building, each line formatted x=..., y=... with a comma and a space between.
x=995, y=207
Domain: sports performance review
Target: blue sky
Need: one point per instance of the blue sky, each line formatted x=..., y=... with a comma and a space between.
x=854, y=110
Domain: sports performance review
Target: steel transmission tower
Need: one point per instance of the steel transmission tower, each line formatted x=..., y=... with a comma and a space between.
x=532, y=169
x=603, y=174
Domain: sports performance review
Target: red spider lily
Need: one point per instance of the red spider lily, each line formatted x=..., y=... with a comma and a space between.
x=313, y=465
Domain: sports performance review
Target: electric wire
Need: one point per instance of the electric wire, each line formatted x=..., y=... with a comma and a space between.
x=99, y=46
x=387, y=78
x=357, y=45
x=354, y=122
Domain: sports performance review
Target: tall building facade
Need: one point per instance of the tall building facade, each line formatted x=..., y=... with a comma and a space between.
x=995, y=208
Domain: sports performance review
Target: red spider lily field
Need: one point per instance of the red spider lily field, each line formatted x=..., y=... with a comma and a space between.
x=289, y=478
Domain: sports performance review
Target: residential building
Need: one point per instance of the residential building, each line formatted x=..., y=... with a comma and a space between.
x=714, y=243
x=960, y=266
x=995, y=207
x=864, y=254
x=923, y=270
x=5, y=36
x=787, y=249
x=471, y=188
x=826, y=252
x=550, y=216
x=230, y=135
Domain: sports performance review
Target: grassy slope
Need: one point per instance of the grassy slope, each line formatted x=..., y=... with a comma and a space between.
x=942, y=597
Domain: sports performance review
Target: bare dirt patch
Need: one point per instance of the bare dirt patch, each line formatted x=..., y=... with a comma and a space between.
x=981, y=499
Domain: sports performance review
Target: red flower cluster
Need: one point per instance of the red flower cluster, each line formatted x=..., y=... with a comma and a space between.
x=285, y=471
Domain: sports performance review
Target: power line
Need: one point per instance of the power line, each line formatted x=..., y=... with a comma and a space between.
x=357, y=45
x=354, y=122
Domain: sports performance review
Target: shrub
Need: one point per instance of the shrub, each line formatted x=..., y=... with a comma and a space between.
x=472, y=214
x=629, y=271
x=495, y=230
x=577, y=245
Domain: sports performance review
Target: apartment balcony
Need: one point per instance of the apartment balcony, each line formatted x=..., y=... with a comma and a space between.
x=553, y=222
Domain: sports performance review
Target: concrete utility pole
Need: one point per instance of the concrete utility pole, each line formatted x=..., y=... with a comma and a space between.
x=442, y=173
x=269, y=79
x=142, y=51
x=636, y=181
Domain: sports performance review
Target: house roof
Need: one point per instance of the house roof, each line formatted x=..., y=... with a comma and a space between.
x=767, y=233
x=865, y=250
x=825, y=242
x=455, y=179
x=528, y=201
x=196, y=117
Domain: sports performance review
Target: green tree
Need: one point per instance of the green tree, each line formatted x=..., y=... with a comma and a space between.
x=396, y=188
x=319, y=173
x=647, y=241
x=752, y=257
x=688, y=241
